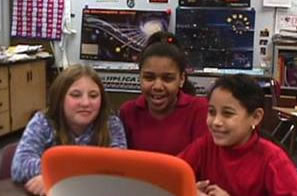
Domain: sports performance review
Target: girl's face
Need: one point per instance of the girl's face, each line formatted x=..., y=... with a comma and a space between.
x=228, y=121
x=160, y=80
x=82, y=104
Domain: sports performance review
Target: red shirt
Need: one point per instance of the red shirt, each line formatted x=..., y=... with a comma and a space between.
x=257, y=168
x=169, y=135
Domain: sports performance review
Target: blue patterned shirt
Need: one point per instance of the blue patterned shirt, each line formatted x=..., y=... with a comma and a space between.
x=39, y=136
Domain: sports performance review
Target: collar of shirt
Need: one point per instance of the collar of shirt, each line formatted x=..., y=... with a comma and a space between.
x=242, y=149
x=85, y=137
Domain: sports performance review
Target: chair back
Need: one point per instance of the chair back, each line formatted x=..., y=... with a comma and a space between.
x=275, y=91
x=6, y=160
x=93, y=171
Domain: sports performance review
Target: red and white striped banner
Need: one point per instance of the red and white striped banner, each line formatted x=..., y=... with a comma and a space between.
x=38, y=19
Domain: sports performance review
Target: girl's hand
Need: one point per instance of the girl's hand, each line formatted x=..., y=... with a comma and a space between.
x=35, y=186
x=199, y=193
x=215, y=190
x=202, y=185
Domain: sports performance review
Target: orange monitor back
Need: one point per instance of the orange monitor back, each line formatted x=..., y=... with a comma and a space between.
x=97, y=171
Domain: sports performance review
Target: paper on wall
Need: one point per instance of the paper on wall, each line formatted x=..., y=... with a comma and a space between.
x=285, y=21
x=277, y=3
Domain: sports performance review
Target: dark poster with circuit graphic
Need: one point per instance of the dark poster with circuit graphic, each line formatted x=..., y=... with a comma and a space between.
x=118, y=35
x=216, y=37
x=215, y=3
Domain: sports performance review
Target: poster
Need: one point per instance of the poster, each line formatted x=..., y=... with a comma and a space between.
x=118, y=35
x=226, y=34
x=38, y=19
x=215, y=3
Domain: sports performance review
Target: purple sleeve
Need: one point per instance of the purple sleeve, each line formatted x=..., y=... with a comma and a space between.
x=116, y=128
x=37, y=136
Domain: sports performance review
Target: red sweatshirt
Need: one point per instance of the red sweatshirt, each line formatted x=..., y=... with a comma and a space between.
x=170, y=135
x=257, y=168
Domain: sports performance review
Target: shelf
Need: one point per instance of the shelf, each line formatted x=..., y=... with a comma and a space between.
x=285, y=66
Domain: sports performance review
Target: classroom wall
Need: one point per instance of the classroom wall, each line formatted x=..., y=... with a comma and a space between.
x=4, y=23
x=67, y=52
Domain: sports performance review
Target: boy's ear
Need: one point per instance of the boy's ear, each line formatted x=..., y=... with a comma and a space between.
x=258, y=115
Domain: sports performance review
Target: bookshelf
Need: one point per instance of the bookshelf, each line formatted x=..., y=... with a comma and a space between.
x=285, y=66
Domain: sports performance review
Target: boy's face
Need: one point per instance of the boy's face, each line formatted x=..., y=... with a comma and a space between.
x=227, y=120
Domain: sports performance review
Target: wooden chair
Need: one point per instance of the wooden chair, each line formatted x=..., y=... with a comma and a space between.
x=93, y=171
x=6, y=160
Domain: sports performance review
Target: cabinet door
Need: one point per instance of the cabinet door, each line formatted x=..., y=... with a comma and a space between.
x=27, y=91
x=4, y=98
x=4, y=112
x=4, y=123
x=3, y=77
x=38, y=85
x=4, y=101
x=20, y=95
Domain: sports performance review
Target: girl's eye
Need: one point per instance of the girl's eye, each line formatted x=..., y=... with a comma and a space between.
x=169, y=78
x=94, y=95
x=148, y=77
x=228, y=113
x=75, y=94
x=211, y=111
